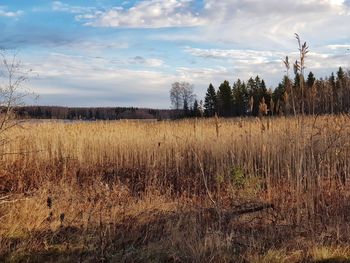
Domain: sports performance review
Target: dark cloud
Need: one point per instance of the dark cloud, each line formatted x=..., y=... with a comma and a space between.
x=139, y=60
x=14, y=41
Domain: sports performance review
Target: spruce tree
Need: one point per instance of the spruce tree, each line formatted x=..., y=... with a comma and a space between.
x=186, y=109
x=210, y=102
x=341, y=92
x=196, y=110
x=225, y=99
x=240, y=98
x=340, y=74
x=310, y=80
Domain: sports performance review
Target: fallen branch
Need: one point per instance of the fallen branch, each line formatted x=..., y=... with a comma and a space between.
x=252, y=209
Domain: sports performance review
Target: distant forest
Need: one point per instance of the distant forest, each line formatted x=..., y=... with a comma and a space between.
x=100, y=113
x=330, y=95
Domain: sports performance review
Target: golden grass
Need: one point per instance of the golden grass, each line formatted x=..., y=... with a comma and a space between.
x=134, y=191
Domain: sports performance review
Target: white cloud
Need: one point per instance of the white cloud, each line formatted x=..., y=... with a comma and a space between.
x=59, y=6
x=97, y=45
x=150, y=62
x=99, y=82
x=260, y=24
x=89, y=68
x=4, y=12
x=268, y=24
x=178, y=13
x=339, y=47
x=146, y=14
x=88, y=81
x=252, y=23
x=238, y=55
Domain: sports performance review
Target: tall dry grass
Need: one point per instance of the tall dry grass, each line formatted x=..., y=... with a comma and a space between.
x=138, y=190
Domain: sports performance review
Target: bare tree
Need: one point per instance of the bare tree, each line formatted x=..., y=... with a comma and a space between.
x=181, y=93
x=13, y=76
x=188, y=93
x=176, y=95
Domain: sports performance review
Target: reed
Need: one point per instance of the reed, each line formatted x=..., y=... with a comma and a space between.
x=151, y=187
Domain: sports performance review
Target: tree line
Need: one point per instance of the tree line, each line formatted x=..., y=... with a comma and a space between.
x=298, y=95
x=100, y=113
x=329, y=95
x=292, y=96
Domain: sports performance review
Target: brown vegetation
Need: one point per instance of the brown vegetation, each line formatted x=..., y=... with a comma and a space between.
x=215, y=190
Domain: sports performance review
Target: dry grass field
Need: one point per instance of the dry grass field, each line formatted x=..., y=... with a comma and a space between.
x=206, y=190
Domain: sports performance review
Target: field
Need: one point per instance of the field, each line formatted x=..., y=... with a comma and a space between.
x=206, y=190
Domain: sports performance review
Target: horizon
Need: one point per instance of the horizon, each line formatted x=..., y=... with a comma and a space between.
x=128, y=53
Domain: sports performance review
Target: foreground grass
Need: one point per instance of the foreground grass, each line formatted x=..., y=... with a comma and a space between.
x=109, y=225
x=271, y=190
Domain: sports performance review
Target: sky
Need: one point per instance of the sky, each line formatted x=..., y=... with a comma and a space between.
x=128, y=53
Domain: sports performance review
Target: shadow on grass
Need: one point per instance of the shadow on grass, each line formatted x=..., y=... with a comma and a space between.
x=155, y=236
x=333, y=260
x=45, y=256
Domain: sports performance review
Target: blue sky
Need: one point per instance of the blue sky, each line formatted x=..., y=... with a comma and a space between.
x=128, y=53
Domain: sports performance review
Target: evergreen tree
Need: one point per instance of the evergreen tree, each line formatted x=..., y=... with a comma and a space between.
x=264, y=93
x=252, y=91
x=210, y=102
x=240, y=98
x=297, y=81
x=186, y=109
x=297, y=93
x=196, y=110
x=281, y=96
x=310, y=92
x=225, y=99
x=340, y=74
x=310, y=80
x=257, y=91
x=340, y=85
x=332, y=81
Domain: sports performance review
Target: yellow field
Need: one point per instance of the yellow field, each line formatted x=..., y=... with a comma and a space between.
x=194, y=190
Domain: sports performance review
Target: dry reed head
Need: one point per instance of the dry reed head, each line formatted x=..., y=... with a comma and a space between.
x=263, y=110
x=251, y=104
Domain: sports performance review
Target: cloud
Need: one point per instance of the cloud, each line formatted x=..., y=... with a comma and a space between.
x=272, y=23
x=252, y=23
x=14, y=40
x=339, y=46
x=238, y=55
x=271, y=15
x=40, y=36
x=89, y=81
x=58, y=6
x=146, y=14
x=226, y=21
x=84, y=81
x=5, y=13
x=268, y=24
x=267, y=64
x=152, y=62
x=87, y=68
